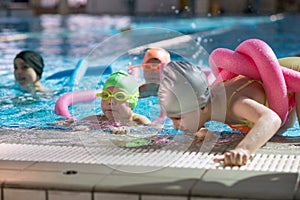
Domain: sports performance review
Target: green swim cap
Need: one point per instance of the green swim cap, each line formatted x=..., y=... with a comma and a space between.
x=125, y=82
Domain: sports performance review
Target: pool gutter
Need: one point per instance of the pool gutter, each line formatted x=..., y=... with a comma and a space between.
x=51, y=172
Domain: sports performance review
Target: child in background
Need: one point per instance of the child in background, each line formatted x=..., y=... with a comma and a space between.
x=28, y=69
x=153, y=59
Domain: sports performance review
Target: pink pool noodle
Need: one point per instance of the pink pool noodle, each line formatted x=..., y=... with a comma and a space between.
x=63, y=102
x=255, y=59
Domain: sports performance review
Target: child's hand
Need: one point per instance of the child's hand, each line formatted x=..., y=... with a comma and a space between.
x=120, y=130
x=201, y=134
x=236, y=157
x=158, y=122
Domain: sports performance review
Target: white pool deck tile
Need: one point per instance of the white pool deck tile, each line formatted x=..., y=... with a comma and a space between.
x=115, y=196
x=67, y=195
x=247, y=184
x=167, y=172
x=16, y=165
x=66, y=168
x=8, y=174
x=21, y=194
x=53, y=180
x=145, y=185
x=166, y=197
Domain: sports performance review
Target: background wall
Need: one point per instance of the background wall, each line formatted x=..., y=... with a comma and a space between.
x=153, y=7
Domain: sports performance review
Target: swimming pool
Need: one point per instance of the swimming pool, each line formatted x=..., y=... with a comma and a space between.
x=38, y=160
x=104, y=41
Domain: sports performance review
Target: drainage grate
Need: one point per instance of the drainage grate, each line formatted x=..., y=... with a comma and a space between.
x=141, y=157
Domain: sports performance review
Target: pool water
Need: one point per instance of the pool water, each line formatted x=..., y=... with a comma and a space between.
x=63, y=40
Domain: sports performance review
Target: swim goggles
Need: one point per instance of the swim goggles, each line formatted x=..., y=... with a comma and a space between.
x=149, y=66
x=118, y=96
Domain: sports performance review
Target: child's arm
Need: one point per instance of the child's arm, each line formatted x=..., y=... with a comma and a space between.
x=266, y=123
x=297, y=106
x=141, y=119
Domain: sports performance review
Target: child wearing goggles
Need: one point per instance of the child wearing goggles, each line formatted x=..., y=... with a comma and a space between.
x=153, y=60
x=119, y=97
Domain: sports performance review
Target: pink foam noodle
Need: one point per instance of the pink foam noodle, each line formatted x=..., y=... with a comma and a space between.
x=68, y=99
x=255, y=59
x=270, y=72
x=230, y=63
x=292, y=78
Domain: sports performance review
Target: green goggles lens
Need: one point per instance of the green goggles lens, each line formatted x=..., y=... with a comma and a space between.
x=118, y=96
